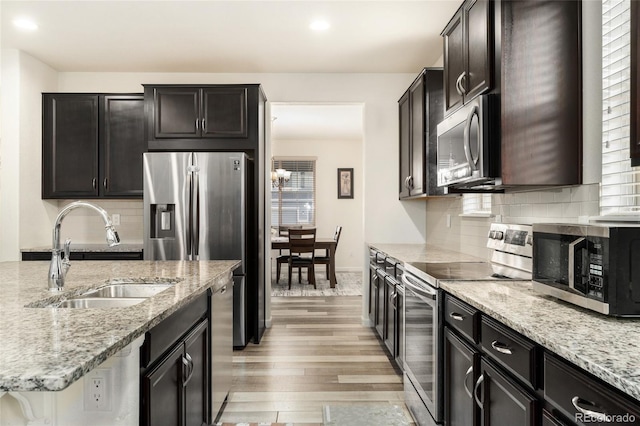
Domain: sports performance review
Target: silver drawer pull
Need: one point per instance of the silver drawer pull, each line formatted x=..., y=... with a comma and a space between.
x=501, y=347
x=576, y=401
x=466, y=377
x=456, y=316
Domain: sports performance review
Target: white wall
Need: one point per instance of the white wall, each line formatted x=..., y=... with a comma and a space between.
x=331, y=211
x=25, y=220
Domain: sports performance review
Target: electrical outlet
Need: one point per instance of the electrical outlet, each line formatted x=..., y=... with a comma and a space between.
x=97, y=390
x=115, y=219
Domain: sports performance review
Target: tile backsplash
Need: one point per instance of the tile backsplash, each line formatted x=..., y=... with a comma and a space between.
x=84, y=226
x=468, y=234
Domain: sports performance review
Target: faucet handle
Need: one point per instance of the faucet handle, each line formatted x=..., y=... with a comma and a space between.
x=67, y=250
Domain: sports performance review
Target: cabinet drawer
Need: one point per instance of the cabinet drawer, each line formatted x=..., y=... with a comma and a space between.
x=462, y=317
x=575, y=394
x=510, y=349
x=163, y=336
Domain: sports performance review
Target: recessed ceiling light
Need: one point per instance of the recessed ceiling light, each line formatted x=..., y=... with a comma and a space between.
x=25, y=24
x=320, y=25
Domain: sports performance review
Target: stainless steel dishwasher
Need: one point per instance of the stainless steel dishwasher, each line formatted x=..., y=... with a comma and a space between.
x=221, y=347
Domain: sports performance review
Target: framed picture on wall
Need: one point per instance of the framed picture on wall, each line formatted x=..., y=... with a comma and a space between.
x=345, y=183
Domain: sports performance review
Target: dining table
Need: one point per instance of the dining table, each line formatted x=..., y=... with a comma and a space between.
x=329, y=244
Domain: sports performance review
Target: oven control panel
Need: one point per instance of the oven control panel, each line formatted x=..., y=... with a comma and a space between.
x=511, y=238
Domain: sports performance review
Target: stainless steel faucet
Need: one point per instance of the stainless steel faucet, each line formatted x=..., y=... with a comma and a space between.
x=59, y=267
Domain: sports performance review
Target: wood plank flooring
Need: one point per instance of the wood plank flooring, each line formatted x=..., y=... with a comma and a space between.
x=316, y=353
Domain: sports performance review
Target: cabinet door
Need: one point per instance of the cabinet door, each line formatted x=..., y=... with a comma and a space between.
x=196, y=378
x=453, y=62
x=390, y=317
x=635, y=84
x=177, y=112
x=418, y=117
x=503, y=401
x=380, y=305
x=224, y=112
x=122, y=145
x=405, y=144
x=478, y=51
x=460, y=373
x=161, y=391
x=70, y=146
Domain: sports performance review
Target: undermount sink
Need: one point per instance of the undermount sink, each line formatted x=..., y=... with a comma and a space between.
x=95, y=302
x=114, y=295
x=127, y=290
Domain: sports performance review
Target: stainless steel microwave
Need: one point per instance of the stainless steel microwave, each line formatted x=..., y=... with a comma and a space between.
x=469, y=145
x=593, y=266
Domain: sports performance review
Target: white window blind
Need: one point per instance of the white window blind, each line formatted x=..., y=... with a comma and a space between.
x=476, y=204
x=619, y=192
x=295, y=202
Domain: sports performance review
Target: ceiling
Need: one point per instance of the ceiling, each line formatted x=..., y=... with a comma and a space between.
x=238, y=36
x=230, y=36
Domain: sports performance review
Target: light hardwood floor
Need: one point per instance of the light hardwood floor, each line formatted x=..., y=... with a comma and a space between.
x=316, y=353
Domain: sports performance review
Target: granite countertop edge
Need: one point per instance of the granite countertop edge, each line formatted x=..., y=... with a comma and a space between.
x=90, y=248
x=73, y=362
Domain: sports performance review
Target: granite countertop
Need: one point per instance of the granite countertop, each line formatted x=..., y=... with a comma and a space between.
x=128, y=247
x=47, y=349
x=607, y=347
x=424, y=253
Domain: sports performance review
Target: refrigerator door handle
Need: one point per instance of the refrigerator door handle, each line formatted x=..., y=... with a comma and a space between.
x=189, y=214
x=196, y=213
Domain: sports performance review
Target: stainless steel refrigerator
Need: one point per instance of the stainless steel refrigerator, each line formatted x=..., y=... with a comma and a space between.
x=195, y=208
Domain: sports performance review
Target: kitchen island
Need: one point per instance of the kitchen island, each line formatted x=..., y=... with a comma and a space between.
x=48, y=349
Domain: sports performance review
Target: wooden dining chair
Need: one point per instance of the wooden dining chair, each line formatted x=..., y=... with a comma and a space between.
x=326, y=259
x=302, y=253
x=283, y=255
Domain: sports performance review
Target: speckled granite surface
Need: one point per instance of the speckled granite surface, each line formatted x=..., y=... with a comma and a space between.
x=47, y=349
x=607, y=347
x=424, y=253
x=91, y=248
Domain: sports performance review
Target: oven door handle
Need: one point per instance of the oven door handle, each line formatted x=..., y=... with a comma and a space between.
x=420, y=291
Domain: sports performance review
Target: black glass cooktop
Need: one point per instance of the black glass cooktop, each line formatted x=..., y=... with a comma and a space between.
x=467, y=271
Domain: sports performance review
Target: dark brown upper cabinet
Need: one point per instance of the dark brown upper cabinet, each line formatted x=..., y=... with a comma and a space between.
x=92, y=145
x=468, y=53
x=201, y=117
x=635, y=85
x=420, y=110
x=541, y=93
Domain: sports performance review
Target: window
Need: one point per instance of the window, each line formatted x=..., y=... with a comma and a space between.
x=476, y=204
x=294, y=203
x=620, y=189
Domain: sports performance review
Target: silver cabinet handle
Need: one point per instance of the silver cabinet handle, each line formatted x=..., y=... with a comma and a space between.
x=197, y=124
x=93, y=183
x=185, y=364
x=188, y=362
x=466, y=377
x=501, y=347
x=576, y=401
x=204, y=125
x=458, y=84
x=456, y=316
x=104, y=183
x=475, y=392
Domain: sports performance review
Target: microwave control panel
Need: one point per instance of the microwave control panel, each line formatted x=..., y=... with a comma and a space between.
x=597, y=273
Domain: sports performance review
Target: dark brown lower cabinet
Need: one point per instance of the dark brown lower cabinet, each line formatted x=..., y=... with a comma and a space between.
x=176, y=390
x=502, y=401
x=461, y=362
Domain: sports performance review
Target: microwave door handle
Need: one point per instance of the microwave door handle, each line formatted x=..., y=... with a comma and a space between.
x=572, y=263
x=467, y=139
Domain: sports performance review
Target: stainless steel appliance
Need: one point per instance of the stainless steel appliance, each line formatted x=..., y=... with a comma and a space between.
x=423, y=326
x=469, y=145
x=593, y=266
x=195, y=208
